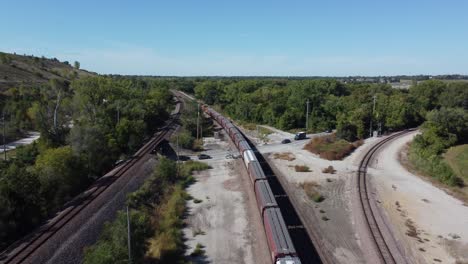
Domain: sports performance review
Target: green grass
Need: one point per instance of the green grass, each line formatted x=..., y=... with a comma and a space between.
x=457, y=158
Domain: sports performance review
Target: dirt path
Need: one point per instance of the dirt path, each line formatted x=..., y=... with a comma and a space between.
x=225, y=219
x=431, y=225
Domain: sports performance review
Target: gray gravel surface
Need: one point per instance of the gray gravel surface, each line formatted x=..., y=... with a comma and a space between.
x=66, y=246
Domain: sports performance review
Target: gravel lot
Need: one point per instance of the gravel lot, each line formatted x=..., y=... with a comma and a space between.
x=227, y=217
x=337, y=235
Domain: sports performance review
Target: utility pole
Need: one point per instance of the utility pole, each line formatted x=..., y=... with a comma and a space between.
x=307, y=116
x=118, y=112
x=177, y=154
x=198, y=118
x=372, y=116
x=4, y=142
x=129, y=241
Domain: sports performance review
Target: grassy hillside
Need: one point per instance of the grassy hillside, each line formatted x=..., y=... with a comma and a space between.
x=16, y=70
x=457, y=158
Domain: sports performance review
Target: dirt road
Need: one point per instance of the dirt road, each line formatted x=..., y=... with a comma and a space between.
x=431, y=224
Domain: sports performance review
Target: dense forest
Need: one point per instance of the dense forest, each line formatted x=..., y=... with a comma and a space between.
x=78, y=121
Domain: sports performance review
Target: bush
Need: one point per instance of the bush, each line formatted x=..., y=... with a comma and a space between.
x=198, y=251
x=433, y=165
x=284, y=156
x=329, y=169
x=310, y=189
x=302, y=168
x=112, y=244
x=331, y=148
x=167, y=243
x=185, y=140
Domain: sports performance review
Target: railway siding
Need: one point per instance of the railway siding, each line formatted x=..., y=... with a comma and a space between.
x=382, y=241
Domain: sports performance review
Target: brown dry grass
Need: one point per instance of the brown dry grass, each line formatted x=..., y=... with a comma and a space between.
x=311, y=189
x=284, y=156
x=329, y=169
x=302, y=168
x=330, y=148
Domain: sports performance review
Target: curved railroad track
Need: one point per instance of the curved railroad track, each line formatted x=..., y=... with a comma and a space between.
x=20, y=251
x=384, y=253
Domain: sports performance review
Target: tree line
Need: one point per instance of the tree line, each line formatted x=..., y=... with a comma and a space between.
x=441, y=108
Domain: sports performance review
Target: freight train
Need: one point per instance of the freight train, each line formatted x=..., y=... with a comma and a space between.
x=278, y=238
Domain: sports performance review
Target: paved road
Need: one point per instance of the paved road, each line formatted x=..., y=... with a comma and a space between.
x=32, y=136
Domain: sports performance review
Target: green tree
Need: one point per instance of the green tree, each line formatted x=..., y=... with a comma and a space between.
x=76, y=65
x=20, y=202
x=112, y=245
x=61, y=175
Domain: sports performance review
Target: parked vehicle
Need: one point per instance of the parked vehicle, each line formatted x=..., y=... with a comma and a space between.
x=204, y=156
x=300, y=135
x=286, y=141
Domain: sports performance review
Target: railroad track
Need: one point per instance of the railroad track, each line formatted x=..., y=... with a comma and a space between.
x=20, y=252
x=384, y=253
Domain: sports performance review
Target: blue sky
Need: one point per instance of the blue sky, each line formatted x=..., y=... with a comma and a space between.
x=288, y=38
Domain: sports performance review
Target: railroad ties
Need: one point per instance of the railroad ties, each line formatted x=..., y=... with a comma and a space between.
x=382, y=247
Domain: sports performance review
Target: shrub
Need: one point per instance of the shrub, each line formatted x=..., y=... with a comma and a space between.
x=284, y=156
x=310, y=189
x=185, y=139
x=198, y=251
x=330, y=170
x=331, y=148
x=302, y=168
x=432, y=164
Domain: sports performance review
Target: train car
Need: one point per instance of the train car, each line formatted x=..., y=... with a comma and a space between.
x=288, y=260
x=237, y=138
x=233, y=131
x=264, y=195
x=249, y=156
x=255, y=171
x=278, y=238
x=243, y=146
x=229, y=127
x=222, y=120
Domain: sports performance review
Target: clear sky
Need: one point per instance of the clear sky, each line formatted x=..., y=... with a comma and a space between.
x=240, y=37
